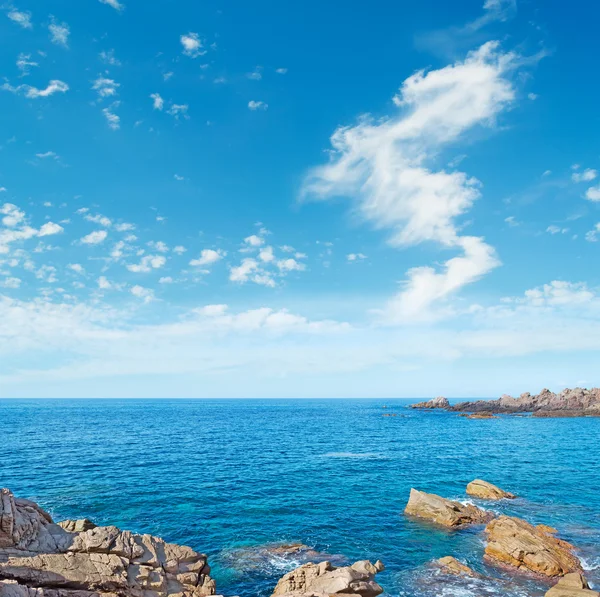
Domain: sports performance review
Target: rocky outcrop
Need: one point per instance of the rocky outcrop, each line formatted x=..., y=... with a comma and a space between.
x=487, y=491
x=439, y=402
x=572, y=585
x=444, y=512
x=78, y=559
x=571, y=402
x=516, y=543
x=316, y=580
x=450, y=565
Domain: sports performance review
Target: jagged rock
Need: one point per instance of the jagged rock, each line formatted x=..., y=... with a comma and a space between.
x=439, y=402
x=450, y=565
x=41, y=559
x=515, y=542
x=487, y=491
x=569, y=402
x=323, y=578
x=572, y=585
x=445, y=512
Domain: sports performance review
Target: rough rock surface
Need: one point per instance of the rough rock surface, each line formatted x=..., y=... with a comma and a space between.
x=324, y=579
x=572, y=402
x=486, y=491
x=572, y=585
x=445, y=512
x=515, y=542
x=439, y=402
x=78, y=559
x=450, y=565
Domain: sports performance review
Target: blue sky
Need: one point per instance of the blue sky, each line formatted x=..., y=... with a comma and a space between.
x=208, y=199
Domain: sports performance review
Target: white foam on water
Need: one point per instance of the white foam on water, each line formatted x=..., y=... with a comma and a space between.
x=371, y=455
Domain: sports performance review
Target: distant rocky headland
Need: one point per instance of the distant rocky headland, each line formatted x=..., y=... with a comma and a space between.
x=576, y=402
x=76, y=558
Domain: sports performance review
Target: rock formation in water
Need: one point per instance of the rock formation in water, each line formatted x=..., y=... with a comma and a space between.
x=450, y=565
x=323, y=580
x=439, y=402
x=487, y=491
x=575, y=402
x=78, y=559
x=444, y=512
x=516, y=543
x=572, y=585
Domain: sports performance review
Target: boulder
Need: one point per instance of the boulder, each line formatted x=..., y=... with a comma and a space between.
x=487, y=491
x=323, y=578
x=516, y=543
x=572, y=585
x=78, y=559
x=450, y=565
x=444, y=512
x=439, y=402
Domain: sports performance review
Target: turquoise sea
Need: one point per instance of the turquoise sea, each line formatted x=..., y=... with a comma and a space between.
x=229, y=476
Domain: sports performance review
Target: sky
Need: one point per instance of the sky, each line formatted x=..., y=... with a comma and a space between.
x=316, y=199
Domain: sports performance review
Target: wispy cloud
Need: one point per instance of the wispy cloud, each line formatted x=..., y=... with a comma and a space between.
x=193, y=46
x=59, y=33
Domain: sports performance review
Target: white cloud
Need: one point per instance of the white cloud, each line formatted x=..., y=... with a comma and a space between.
x=104, y=283
x=59, y=33
x=124, y=227
x=192, y=45
x=553, y=229
x=593, y=194
x=143, y=293
x=592, y=235
x=114, y=3
x=512, y=221
x=558, y=293
x=108, y=57
x=281, y=71
x=21, y=17
x=105, y=87
x=356, y=257
x=24, y=64
x=166, y=280
x=76, y=267
x=254, y=105
x=50, y=228
x=46, y=155
x=241, y=273
x=54, y=86
x=208, y=257
x=290, y=265
x=13, y=216
x=157, y=101
x=266, y=254
x=256, y=74
x=254, y=241
x=113, y=120
x=178, y=110
x=587, y=175
x=383, y=165
x=148, y=263
x=95, y=238
x=179, y=250
x=178, y=178
x=98, y=219
x=10, y=282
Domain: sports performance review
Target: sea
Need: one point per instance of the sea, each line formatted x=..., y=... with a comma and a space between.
x=231, y=478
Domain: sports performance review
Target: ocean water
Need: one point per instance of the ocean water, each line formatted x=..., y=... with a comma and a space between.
x=228, y=477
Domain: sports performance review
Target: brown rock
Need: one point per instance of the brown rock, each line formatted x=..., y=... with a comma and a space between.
x=323, y=578
x=439, y=402
x=487, y=491
x=515, y=542
x=445, y=512
x=572, y=585
x=76, y=526
x=451, y=565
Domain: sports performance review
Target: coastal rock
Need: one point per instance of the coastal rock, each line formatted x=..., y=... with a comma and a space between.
x=570, y=402
x=439, y=402
x=325, y=579
x=450, y=565
x=444, y=512
x=486, y=491
x=514, y=542
x=572, y=585
x=78, y=559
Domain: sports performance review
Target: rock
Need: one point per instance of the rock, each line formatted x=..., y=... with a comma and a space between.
x=480, y=416
x=78, y=559
x=450, y=565
x=569, y=402
x=439, y=402
x=487, y=491
x=572, y=585
x=325, y=579
x=514, y=542
x=445, y=512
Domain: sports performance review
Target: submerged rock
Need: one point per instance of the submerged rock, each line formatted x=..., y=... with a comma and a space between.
x=486, y=491
x=516, y=543
x=41, y=559
x=439, y=402
x=445, y=512
x=450, y=565
x=572, y=585
x=324, y=579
